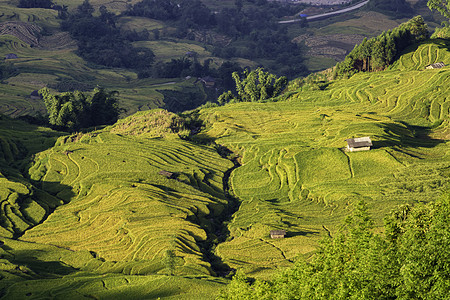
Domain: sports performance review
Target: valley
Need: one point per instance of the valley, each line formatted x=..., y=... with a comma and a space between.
x=180, y=205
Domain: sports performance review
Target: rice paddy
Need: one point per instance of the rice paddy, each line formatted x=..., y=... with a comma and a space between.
x=295, y=175
x=92, y=215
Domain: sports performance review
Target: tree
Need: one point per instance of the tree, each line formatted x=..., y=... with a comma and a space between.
x=442, y=6
x=256, y=85
x=410, y=261
x=74, y=110
x=35, y=3
x=379, y=52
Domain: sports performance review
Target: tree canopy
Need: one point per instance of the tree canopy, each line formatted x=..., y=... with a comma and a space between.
x=442, y=6
x=75, y=110
x=256, y=85
x=35, y=4
x=379, y=52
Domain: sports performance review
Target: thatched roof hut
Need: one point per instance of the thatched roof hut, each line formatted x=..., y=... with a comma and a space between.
x=359, y=144
x=277, y=234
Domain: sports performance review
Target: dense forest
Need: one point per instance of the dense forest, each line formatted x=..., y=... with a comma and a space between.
x=254, y=34
x=379, y=52
x=254, y=30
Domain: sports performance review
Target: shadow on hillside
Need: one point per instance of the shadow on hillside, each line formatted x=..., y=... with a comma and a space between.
x=300, y=233
x=27, y=264
x=406, y=136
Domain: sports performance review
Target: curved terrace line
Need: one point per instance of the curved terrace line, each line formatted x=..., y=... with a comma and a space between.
x=328, y=14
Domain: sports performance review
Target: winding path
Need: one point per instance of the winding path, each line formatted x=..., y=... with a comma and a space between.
x=328, y=14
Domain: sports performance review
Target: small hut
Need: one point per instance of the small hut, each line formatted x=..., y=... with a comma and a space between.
x=277, y=234
x=167, y=174
x=359, y=144
x=438, y=65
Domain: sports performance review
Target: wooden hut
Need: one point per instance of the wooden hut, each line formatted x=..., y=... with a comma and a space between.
x=277, y=234
x=359, y=144
x=208, y=81
x=167, y=174
x=438, y=65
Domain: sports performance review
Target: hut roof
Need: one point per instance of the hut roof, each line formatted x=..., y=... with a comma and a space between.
x=437, y=65
x=277, y=232
x=359, y=142
x=167, y=174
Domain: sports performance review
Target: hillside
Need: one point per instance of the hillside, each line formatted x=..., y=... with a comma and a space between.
x=92, y=214
x=294, y=175
x=103, y=214
x=48, y=56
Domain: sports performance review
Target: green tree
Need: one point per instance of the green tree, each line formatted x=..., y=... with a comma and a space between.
x=410, y=261
x=442, y=6
x=75, y=110
x=256, y=85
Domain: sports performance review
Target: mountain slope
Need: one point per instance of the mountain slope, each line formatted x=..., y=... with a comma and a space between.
x=295, y=175
x=121, y=227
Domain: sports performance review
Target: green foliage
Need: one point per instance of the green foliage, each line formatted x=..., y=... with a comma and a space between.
x=256, y=85
x=7, y=70
x=75, y=110
x=378, y=53
x=443, y=32
x=100, y=41
x=35, y=3
x=410, y=261
x=442, y=6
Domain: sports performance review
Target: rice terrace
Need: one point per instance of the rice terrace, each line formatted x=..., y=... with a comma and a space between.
x=332, y=185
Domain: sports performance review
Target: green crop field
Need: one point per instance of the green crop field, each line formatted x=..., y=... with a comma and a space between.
x=48, y=67
x=91, y=214
x=99, y=213
x=295, y=174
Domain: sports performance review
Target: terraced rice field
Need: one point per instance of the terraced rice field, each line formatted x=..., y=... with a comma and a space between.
x=22, y=206
x=43, y=67
x=51, y=272
x=120, y=207
x=295, y=176
x=99, y=215
x=51, y=61
x=101, y=221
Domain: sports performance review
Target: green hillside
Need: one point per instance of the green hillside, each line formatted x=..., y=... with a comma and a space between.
x=140, y=209
x=295, y=176
x=117, y=216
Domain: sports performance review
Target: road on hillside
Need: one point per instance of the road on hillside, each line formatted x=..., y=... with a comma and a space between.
x=328, y=14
